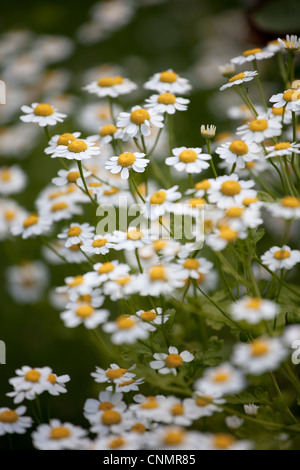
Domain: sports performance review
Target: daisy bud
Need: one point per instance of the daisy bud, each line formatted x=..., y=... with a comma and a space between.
x=227, y=70
x=251, y=409
x=208, y=132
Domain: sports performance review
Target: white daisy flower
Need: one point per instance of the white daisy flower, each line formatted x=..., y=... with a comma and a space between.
x=161, y=279
x=108, y=133
x=261, y=128
x=29, y=383
x=280, y=258
x=10, y=214
x=130, y=240
x=191, y=160
x=291, y=333
x=98, y=244
x=57, y=383
x=31, y=225
x=291, y=42
x=83, y=313
x=78, y=284
x=277, y=113
x=42, y=113
x=153, y=408
x=62, y=209
x=154, y=316
x=59, y=436
x=120, y=286
x=244, y=217
x=195, y=266
x=76, y=234
x=203, y=405
x=106, y=271
x=112, y=374
x=239, y=79
x=283, y=148
x=288, y=207
x=13, y=421
x=139, y=120
x=111, y=421
x=127, y=329
x=125, y=162
x=252, y=54
x=224, y=234
x=180, y=415
x=124, y=441
x=12, y=180
x=72, y=254
x=78, y=149
x=253, y=310
x=111, y=86
x=107, y=400
x=222, y=380
x=168, y=82
x=158, y=203
x=224, y=441
x=174, y=438
x=60, y=139
x=259, y=356
x=228, y=190
x=289, y=98
x=128, y=385
x=27, y=283
x=239, y=152
x=167, y=103
x=69, y=176
x=168, y=363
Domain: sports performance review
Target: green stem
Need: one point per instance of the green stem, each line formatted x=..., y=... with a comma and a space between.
x=84, y=183
x=135, y=186
x=259, y=84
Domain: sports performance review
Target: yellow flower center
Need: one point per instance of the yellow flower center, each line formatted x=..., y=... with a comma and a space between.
x=158, y=198
x=290, y=201
x=110, y=81
x=254, y=303
x=258, y=125
x=77, y=146
x=149, y=404
x=117, y=443
x=139, y=116
x=109, y=129
x=191, y=263
x=249, y=200
x=113, y=374
x=73, y=176
x=204, y=400
x=159, y=245
x=226, y=233
x=31, y=220
x=105, y=406
x=239, y=76
x=174, y=437
x=9, y=215
x=5, y=174
x=43, y=109
x=127, y=382
x=149, y=315
x=99, y=242
x=223, y=441
x=126, y=159
x=65, y=139
x=282, y=254
x=158, y=273
x=138, y=427
x=123, y=280
x=52, y=379
x=60, y=206
x=204, y=184
x=221, y=377
x=259, y=347
x=230, y=188
x=282, y=146
x=134, y=235
x=234, y=212
x=188, y=156
x=111, y=191
x=174, y=360
x=60, y=432
x=250, y=164
x=106, y=268
x=177, y=410
x=238, y=147
x=74, y=247
x=166, y=98
x=196, y=201
x=84, y=311
x=32, y=375
x=111, y=417
x=291, y=95
x=168, y=77
x=76, y=281
x=124, y=322
x=8, y=416
x=74, y=231
x=251, y=52
x=278, y=111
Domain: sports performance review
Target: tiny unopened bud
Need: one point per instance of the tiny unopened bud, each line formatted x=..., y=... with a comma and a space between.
x=208, y=132
x=227, y=70
x=233, y=422
x=251, y=409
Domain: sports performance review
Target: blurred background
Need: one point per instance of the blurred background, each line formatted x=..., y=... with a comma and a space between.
x=48, y=51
